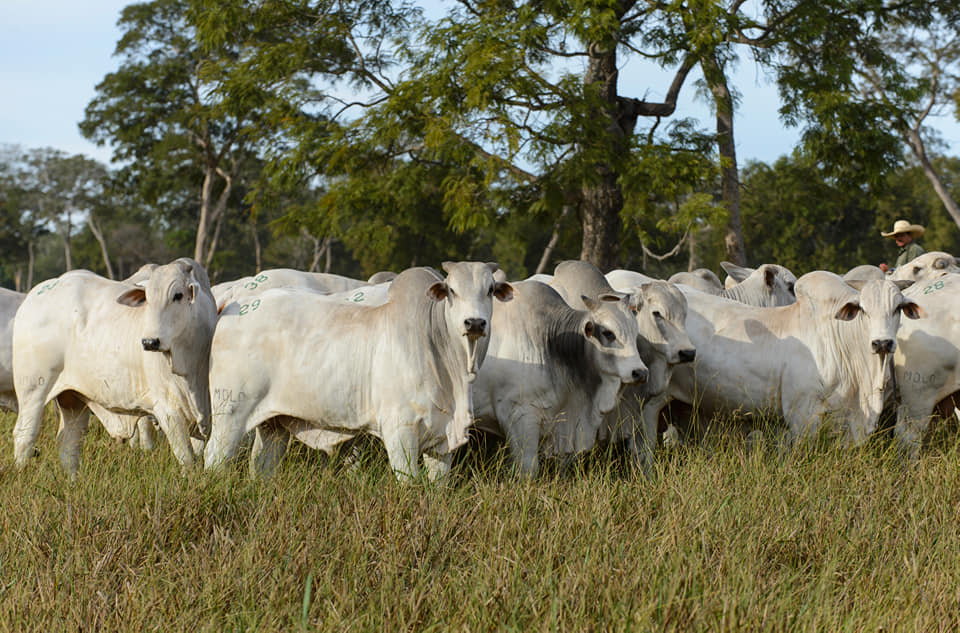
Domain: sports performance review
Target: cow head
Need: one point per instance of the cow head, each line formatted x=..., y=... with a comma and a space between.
x=927, y=267
x=880, y=305
x=661, y=314
x=178, y=311
x=468, y=292
x=611, y=332
x=774, y=284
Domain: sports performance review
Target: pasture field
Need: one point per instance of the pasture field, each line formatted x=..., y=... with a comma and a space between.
x=722, y=538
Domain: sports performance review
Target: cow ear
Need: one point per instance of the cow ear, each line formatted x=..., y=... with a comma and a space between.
x=192, y=291
x=613, y=297
x=447, y=266
x=848, y=312
x=592, y=304
x=135, y=297
x=769, y=275
x=503, y=291
x=588, y=328
x=493, y=266
x=856, y=284
x=739, y=273
x=911, y=310
x=438, y=291
x=903, y=284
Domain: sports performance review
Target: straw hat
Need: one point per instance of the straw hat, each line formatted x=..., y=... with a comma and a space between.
x=904, y=226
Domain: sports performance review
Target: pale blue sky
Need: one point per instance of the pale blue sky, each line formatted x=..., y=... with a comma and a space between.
x=54, y=52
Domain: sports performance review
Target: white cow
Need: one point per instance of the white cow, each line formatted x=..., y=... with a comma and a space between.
x=928, y=361
x=292, y=362
x=552, y=372
x=864, y=272
x=660, y=310
x=86, y=341
x=926, y=267
x=767, y=286
x=286, y=278
x=703, y=279
x=9, y=303
x=825, y=354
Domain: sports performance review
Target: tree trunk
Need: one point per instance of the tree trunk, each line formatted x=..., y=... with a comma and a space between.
x=30, y=261
x=601, y=197
x=917, y=147
x=206, y=198
x=729, y=177
x=98, y=235
x=257, y=253
x=554, y=238
x=692, y=249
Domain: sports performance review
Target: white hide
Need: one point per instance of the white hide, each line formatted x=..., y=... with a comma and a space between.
x=251, y=286
x=292, y=362
x=131, y=350
x=927, y=267
x=928, y=359
x=9, y=303
x=767, y=286
x=803, y=361
x=552, y=372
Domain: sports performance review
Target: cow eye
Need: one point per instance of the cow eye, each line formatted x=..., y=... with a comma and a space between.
x=608, y=336
x=790, y=288
x=490, y=291
x=178, y=296
x=657, y=315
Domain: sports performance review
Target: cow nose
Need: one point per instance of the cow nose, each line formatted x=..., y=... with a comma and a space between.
x=639, y=375
x=475, y=326
x=687, y=355
x=882, y=345
x=150, y=344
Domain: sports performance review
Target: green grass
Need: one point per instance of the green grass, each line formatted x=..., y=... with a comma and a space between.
x=722, y=538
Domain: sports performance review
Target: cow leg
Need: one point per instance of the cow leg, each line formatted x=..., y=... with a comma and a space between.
x=643, y=443
x=175, y=428
x=226, y=434
x=74, y=420
x=911, y=426
x=437, y=467
x=523, y=438
x=27, y=430
x=403, y=450
x=146, y=434
x=269, y=445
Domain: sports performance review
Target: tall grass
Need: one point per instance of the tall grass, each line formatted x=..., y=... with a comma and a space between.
x=721, y=538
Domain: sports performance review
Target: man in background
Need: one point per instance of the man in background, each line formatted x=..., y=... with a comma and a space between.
x=905, y=235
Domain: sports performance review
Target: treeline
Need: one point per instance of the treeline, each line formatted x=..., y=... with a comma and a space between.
x=362, y=136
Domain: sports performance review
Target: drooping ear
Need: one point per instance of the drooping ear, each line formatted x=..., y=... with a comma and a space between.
x=739, y=273
x=438, y=291
x=848, y=312
x=856, y=284
x=503, y=291
x=769, y=275
x=911, y=310
x=588, y=328
x=446, y=266
x=903, y=284
x=591, y=304
x=135, y=297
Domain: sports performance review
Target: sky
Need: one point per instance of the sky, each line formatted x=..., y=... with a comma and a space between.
x=53, y=53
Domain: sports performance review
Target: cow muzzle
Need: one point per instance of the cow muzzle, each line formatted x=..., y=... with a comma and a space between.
x=883, y=345
x=150, y=344
x=475, y=327
x=687, y=355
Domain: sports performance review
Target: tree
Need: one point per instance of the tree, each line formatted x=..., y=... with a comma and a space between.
x=164, y=119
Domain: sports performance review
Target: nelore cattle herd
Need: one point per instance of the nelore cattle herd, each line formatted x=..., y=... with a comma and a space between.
x=555, y=364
